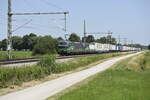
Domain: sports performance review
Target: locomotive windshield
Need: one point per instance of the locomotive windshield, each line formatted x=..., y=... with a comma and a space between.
x=63, y=44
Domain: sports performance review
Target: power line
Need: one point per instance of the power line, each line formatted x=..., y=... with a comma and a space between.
x=22, y=26
x=35, y=28
x=51, y=4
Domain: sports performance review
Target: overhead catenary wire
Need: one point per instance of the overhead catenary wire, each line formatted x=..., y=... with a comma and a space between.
x=20, y=20
x=43, y=29
x=46, y=2
x=22, y=26
x=51, y=4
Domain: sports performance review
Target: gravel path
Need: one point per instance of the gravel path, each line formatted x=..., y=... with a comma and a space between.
x=47, y=89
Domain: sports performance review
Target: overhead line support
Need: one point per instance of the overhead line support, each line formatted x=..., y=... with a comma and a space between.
x=47, y=13
x=9, y=26
x=9, y=30
x=84, y=39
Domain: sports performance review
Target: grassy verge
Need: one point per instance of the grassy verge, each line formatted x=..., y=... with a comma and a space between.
x=16, y=55
x=126, y=80
x=47, y=66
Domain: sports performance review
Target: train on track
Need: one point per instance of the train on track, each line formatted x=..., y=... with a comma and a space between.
x=77, y=48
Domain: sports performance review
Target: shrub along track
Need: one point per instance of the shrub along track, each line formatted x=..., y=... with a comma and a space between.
x=27, y=61
x=47, y=66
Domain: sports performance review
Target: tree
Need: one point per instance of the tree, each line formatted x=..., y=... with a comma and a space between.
x=3, y=44
x=60, y=38
x=74, y=37
x=0, y=44
x=29, y=41
x=45, y=45
x=102, y=40
x=88, y=39
x=111, y=40
x=149, y=47
x=32, y=35
x=107, y=39
x=17, y=43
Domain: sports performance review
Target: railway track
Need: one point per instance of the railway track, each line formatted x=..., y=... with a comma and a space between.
x=28, y=60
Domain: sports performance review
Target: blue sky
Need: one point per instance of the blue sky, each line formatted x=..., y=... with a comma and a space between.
x=129, y=18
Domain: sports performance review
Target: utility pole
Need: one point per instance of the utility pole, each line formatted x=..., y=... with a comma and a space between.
x=119, y=40
x=65, y=25
x=110, y=34
x=66, y=35
x=109, y=40
x=84, y=32
x=119, y=44
x=125, y=41
x=9, y=30
x=132, y=43
x=9, y=33
x=65, y=15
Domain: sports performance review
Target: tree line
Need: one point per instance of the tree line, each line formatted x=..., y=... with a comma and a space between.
x=28, y=42
x=48, y=44
x=90, y=38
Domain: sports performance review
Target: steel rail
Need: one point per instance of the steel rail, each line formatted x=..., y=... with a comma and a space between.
x=28, y=60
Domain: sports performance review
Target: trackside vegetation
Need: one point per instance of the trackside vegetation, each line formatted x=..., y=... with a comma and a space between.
x=149, y=47
x=47, y=66
x=126, y=80
x=45, y=45
x=38, y=45
x=16, y=55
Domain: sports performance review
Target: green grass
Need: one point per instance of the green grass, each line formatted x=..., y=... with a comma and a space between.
x=83, y=62
x=47, y=66
x=16, y=55
x=127, y=80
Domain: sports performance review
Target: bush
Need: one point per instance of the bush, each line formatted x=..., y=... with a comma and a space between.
x=17, y=75
x=45, y=45
x=48, y=62
x=13, y=76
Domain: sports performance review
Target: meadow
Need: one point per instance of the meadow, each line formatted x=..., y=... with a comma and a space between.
x=16, y=55
x=126, y=80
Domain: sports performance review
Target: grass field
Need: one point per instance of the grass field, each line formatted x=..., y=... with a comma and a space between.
x=16, y=55
x=127, y=80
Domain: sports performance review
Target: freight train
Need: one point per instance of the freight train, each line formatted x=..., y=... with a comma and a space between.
x=76, y=48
